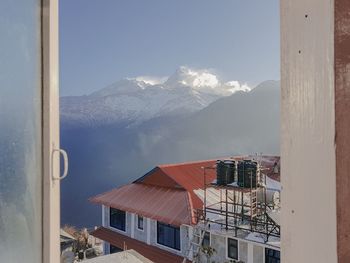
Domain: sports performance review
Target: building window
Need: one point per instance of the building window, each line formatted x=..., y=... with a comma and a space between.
x=272, y=256
x=140, y=222
x=168, y=235
x=232, y=248
x=114, y=249
x=206, y=239
x=117, y=218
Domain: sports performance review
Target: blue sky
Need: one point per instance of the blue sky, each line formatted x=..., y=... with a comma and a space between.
x=102, y=41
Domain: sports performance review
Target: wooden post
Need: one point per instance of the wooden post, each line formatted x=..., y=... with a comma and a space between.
x=315, y=132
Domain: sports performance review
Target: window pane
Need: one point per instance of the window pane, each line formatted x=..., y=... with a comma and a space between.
x=117, y=219
x=140, y=222
x=168, y=235
x=206, y=240
x=20, y=132
x=232, y=248
x=272, y=256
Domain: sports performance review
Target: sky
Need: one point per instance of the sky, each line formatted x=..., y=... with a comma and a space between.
x=103, y=41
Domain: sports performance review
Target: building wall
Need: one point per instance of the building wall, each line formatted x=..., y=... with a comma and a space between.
x=149, y=233
x=105, y=223
x=249, y=252
x=184, y=237
x=259, y=254
x=219, y=244
x=243, y=251
x=140, y=235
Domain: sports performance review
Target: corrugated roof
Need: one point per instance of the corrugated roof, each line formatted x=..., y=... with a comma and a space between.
x=167, y=192
x=189, y=176
x=164, y=204
x=151, y=252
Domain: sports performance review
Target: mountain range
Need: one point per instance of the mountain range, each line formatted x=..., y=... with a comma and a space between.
x=135, y=100
x=119, y=133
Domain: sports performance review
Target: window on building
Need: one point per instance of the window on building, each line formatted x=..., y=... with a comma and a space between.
x=232, y=248
x=140, y=222
x=114, y=249
x=168, y=235
x=117, y=219
x=206, y=239
x=272, y=256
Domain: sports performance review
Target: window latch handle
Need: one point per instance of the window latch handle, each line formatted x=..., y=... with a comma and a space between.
x=65, y=164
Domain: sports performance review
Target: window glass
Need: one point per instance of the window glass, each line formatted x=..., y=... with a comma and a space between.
x=272, y=256
x=168, y=235
x=20, y=132
x=206, y=239
x=117, y=219
x=140, y=222
x=232, y=248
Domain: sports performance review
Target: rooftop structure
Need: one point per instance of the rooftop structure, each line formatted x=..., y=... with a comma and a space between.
x=166, y=193
x=175, y=210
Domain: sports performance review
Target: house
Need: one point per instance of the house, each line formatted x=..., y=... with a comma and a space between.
x=67, y=241
x=159, y=215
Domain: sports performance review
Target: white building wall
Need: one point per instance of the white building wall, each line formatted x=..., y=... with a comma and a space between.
x=147, y=235
x=184, y=237
x=258, y=254
x=242, y=251
x=140, y=235
x=248, y=252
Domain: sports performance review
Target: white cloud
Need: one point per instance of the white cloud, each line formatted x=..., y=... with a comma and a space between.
x=204, y=80
x=235, y=86
x=197, y=78
x=207, y=81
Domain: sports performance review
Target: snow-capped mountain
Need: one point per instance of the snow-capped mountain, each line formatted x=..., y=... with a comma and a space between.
x=135, y=100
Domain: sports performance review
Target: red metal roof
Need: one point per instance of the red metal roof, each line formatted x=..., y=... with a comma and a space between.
x=190, y=176
x=163, y=204
x=153, y=253
x=166, y=193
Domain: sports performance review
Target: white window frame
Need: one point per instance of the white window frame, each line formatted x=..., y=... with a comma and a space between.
x=238, y=245
x=164, y=246
x=116, y=229
x=51, y=188
x=50, y=132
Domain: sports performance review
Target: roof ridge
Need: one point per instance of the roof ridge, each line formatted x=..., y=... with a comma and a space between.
x=191, y=208
x=186, y=163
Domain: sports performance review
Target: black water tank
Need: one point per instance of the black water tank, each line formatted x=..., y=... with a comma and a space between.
x=230, y=170
x=247, y=170
x=220, y=173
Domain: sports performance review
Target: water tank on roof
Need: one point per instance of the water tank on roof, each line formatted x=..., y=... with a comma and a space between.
x=230, y=167
x=225, y=171
x=247, y=173
x=220, y=173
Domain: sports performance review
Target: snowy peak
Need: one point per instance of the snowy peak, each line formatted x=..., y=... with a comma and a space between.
x=195, y=79
x=134, y=100
x=122, y=86
x=201, y=80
